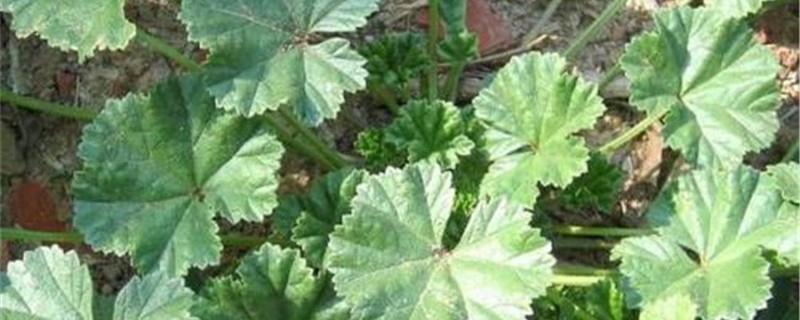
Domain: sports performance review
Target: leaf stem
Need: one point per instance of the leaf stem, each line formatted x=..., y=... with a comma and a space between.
x=433, y=39
x=582, y=243
x=791, y=154
x=287, y=138
x=576, y=281
x=156, y=44
x=333, y=157
x=610, y=75
x=600, y=231
x=52, y=108
x=589, y=33
x=233, y=240
x=386, y=96
x=453, y=77
x=631, y=133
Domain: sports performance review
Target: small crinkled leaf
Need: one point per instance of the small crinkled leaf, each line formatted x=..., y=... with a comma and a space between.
x=735, y=8
x=271, y=283
x=532, y=110
x=389, y=262
x=716, y=83
x=677, y=307
x=321, y=209
x=596, y=188
x=157, y=168
x=80, y=25
x=46, y=284
x=786, y=177
x=51, y=284
x=431, y=131
x=724, y=218
x=261, y=56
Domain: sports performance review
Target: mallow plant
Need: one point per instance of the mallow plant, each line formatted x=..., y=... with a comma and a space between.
x=440, y=216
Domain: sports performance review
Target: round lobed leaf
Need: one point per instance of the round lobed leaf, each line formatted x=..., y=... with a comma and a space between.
x=262, y=56
x=389, y=262
x=533, y=109
x=714, y=224
x=716, y=83
x=80, y=25
x=157, y=168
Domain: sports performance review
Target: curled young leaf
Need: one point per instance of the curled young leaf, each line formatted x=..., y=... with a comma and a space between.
x=51, y=284
x=264, y=54
x=272, y=283
x=432, y=131
x=716, y=83
x=158, y=168
x=80, y=25
x=389, y=261
x=533, y=109
x=714, y=224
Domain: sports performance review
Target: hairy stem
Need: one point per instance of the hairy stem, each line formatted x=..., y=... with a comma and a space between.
x=582, y=243
x=791, y=154
x=610, y=75
x=156, y=44
x=333, y=157
x=600, y=231
x=589, y=33
x=576, y=281
x=631, y=133
x=453, y=77
x=233, y=240
x=52, y=108
x=286, y=138
x=433, y=40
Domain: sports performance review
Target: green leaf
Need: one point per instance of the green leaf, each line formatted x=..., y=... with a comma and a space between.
x=378, y=153
x=600, y=301
x=458, y=45
x=80, y=25
x=51, y=284
x=717, y=222
x=787, y=178
x=431, y=131
x=318, y=211
x=389, y=262
x=735, y=8
x=678, y=307
x=271, y=283
x=717, y=83
x=262, y=57
x=394, y=61
x=158, y=168
x=532, y=109
x=598, y=187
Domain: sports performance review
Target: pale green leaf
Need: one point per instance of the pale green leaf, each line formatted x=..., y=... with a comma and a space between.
x=716, y=82
x=533, y=109
x=271, y=283
x=787, y=178
x=735, y=8
x=389, y=262
x=262, y=57
x=431, y=131
x=154, y=297
x=724, y=218
x=678, y=307
x=80, y=25
x=51, y=284
x=158, y=168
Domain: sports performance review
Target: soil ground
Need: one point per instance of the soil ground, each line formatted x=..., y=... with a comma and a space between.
x=40, y=149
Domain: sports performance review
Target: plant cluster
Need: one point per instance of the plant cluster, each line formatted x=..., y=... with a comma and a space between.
x=440, y=226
